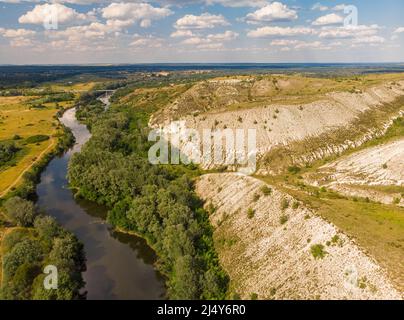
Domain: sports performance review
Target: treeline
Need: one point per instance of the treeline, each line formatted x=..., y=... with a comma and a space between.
x=55, y=97
x=35, y=242
x=156, y=202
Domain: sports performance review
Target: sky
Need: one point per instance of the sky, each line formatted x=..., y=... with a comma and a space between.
x=200, y=31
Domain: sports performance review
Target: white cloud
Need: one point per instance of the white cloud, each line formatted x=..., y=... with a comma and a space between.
x=399, y=30
x=238, y=3
x=226, y=36
x=181, y=34
x=147, y=42
x=284, y=42
x=349, y=32
x=143, y=13
x=329, y=19
x=339, y=7
x=16, y=33
x=204, y=21
x=279, y=31
x=318, y=6
x=47, y=12
x=369, y=40
x=275, y=11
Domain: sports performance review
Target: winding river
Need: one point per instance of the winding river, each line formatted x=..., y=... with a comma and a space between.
x=119, y=266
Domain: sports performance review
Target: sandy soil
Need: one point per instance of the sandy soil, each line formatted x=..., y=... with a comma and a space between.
x=274, y=260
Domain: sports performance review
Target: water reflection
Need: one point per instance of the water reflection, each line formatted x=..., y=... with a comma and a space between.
x=119, y=266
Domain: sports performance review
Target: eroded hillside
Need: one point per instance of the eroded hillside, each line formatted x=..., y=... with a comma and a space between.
x=329, y=225
x=273, y=246
x=298, y=120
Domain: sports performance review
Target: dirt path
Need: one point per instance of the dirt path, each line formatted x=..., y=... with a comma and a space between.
x=39, y=158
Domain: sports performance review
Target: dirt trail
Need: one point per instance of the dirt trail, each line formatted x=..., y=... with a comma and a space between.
x=270, y=252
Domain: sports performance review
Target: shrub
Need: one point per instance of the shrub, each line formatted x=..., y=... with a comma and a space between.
x=294, y=169
x=254, y=296
x=284, y=204
x=20, y=211
x=283, y=219
x=250, y=213
x=318, y=251
x=37, y=139
x=267, y=191
x=295, y=205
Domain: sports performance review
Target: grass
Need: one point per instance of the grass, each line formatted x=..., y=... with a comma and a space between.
x=37, y=129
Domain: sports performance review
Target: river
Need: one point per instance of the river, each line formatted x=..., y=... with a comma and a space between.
x=119, y=266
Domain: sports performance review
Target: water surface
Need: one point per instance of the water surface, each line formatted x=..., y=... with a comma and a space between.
x=119, y=266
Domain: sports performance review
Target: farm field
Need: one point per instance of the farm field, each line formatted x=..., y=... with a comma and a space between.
x=32, y=129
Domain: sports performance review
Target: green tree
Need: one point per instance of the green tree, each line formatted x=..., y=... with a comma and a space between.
x=20, y=211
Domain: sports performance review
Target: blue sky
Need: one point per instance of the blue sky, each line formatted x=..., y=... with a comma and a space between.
x=131, y=31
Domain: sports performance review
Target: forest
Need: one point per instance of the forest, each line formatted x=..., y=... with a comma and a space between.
x=35, y=241
x=155, y=202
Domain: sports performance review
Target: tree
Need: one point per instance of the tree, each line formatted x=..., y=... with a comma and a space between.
x=20, y=211
x=184, y=284
x=47, y=227
x=27, y=251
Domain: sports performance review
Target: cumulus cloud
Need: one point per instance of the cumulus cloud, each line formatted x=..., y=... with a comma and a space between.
x=279, y=31
x=48, y=12
x=226, y=36
x=181, y=34
x=143, y=42
x=329, y=19
x=143, y=13
x=238, y=3
x=16, y=33
x=204, y=21
x=275, y=11
x=399, y=30
x=369, y=40
x=349, y=31
x=318, y=6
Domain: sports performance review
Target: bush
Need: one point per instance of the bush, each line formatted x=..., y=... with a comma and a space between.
x=294, y=169
x=20, y=211
x=267, y=191
x=37, y=139
x=283, y=219
x=284, y=204
x=254, y=296
x=7, y=152
x=250, y=213
x=318, y=251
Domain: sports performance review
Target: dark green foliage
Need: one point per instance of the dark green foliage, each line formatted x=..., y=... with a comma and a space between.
x=37, y=139
x=267, y=191
x=28, y=252
x=318, y=251
x=156, y=202
x=8, y=151
x=294, y=169
x=20, y=211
